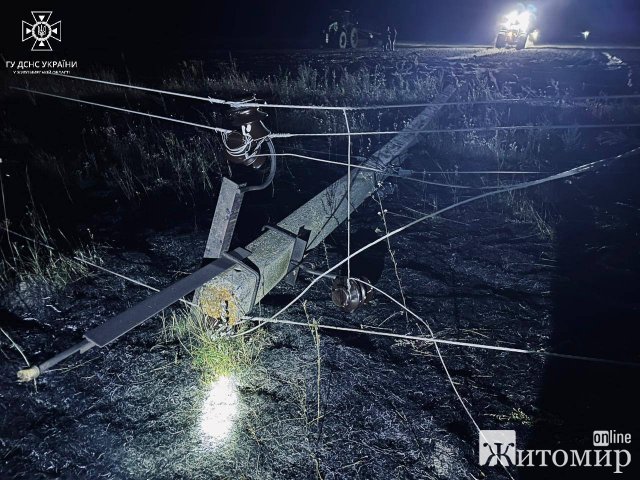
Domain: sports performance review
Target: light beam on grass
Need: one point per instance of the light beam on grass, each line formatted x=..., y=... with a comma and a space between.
x=219, y=412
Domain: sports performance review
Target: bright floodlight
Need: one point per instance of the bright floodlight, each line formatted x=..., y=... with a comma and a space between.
x=516, y=20
x=219, y=411
x=511, y=17
x=585, y=34
x=523, y=20
x=534, y=35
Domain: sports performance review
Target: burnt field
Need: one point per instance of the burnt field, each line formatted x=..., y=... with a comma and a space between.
x=551, y=268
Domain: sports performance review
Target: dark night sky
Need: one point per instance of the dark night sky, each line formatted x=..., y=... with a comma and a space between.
x=189, y=27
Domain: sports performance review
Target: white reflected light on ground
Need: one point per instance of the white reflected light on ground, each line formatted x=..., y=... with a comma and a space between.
x=219, y=411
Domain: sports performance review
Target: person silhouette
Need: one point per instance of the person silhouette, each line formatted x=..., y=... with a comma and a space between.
x=394, y=35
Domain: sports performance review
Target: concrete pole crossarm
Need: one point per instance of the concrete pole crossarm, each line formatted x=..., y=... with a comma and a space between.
x=229, y=296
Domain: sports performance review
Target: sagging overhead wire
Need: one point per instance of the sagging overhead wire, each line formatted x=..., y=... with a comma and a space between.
x=461, y=130
x=431, y=172
x=389, y=173
x=544, y=353
x=150, y=90
x=341, y=134
x=442, y=341
x=125, y=110
x=219, y=101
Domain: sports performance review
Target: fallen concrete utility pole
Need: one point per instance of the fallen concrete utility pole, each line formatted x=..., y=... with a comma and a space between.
x=233, y=282
x=234, y=293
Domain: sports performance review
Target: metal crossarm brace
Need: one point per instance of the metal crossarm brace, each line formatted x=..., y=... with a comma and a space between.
x=117, y=326
x=224, y=219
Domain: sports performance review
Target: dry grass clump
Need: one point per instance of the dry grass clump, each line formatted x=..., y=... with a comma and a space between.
x=31, y=259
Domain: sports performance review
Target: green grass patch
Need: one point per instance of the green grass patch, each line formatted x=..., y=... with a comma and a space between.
x=214, y=351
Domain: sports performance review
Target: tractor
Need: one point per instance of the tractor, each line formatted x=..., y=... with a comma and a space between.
x=515, y=30
x=342, y=32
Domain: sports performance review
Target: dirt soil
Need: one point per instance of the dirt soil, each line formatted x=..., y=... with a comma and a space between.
x=387, y=410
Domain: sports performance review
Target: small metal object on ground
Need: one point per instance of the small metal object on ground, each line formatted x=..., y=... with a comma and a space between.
x=350, y=293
